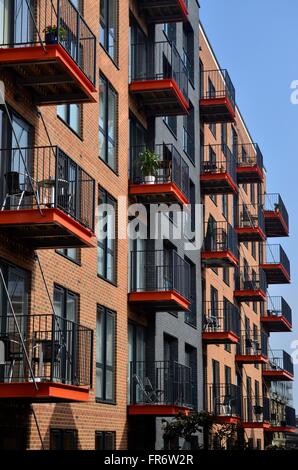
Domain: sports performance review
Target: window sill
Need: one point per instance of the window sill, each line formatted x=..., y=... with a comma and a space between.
x=105, y=402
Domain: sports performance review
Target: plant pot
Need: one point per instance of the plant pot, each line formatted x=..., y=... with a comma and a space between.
x=150, y=179
x=51, y=38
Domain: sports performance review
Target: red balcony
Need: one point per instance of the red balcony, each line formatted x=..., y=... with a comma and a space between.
x=250, y=164
x=250, y=284
x=53, y=208
x=170, y=181
x=253, y=348
x=217, y=97
x=276, y=216
x=278, y=316
x=250, y=225
x=279, y=368
x=255, y=413
x=276, y=266
x=220, y=245
x=220, y=323
x=159, y=281
x=161, y=388
x=60, y=358
x=218, y=170
x=282, y=418
x=159, y=79
x=223, y=403
x=164, y=11
x=56, y=68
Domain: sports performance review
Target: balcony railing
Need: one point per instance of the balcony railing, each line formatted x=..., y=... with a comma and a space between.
x=220, y=237
x=223, y=400
x=221, y=317
x=250, y=221
x=280, y=360
x=59, y=350
x=253, y=343
x=217, y=84
x=172, y=167
x=55, y=182
x=256, y=410
x=158, y=61
x=161, y=383
x=282, y=416
x=276, y=216
x=250, y=163
x=159, y=271
x=251, y=278
x=218, y=161
x=276, y=265
x=24, y=22
x=278, y=308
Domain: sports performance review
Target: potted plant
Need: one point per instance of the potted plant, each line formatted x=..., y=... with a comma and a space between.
x=51, y=34
x=148, y=163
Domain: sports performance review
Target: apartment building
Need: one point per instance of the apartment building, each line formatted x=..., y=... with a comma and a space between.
x=240, y=262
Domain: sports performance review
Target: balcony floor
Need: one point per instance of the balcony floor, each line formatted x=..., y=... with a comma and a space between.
x=278, y=375
x=220, y=419
x=219, y=183
x=249, y=174
x=250, y=234
x=51, y=229
x=275, y=224
x=276, y=324
x=217, y=337
x=251, y=359
x=52, y=76
x=157, y=410
x=255, y=425
x=284, y=429
x=47, y=392
x=219, y=259
x=250, y=295
x=276, y=273
x=164, y=11
x=159, y=301
x=216, y=110
x=160, y=97
x=158, y=193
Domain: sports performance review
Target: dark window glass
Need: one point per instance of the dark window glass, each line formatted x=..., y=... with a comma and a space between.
x=71, y=114
x=106, y=243
x=105, y=440
x=109, y=27
x=105, y=355
x=63, y=439
x=71, y=253
x=108, y=103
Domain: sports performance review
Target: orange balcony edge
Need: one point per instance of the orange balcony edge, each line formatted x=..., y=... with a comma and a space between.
x=223, y=255
x=277, y=215
x=218, y=336
x=219, y=102
x=255, y=425
x=157, y=410
x=288, y=429
x=49, y=216
x=52, y=53
x=251, y=230
x=251, y=358
x=278, y=375
x=46, y=390
x=251, y=169
x=250, y=293
x=220, y=177
x=160, y=85
x=226, y=419
x=184, y=9
x=275, y=319
x=277, y=267
x=166, y=296
x=160, y=188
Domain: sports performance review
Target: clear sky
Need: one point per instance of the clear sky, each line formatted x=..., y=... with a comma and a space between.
x=257, y=41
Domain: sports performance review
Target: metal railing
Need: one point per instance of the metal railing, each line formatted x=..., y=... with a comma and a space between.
x=278, y=307
x=281, y=392
x=216, y=159
x=223, y=399
x=161, y=383
x=221, y=317
x=274, y=203
x=158, y=61
x=172, y=168
x=249, y=155
x=158, y=271
x=250, y=216
x=250, y=278
x=24, y=23
x=59, y=350
x=220, y=236
x=282, y=415
x=253, y=343
x=217, y=84
x=275, y=254
x=256, y=409
x=280, y=360
x=57, y=180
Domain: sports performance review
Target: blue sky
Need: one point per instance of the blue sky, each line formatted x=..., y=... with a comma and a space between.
x=257, y=41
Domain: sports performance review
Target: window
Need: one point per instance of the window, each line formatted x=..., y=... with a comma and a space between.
x=105, y=355
x=224, y=138
x=170, y=31
x=225, y=209
x=109, y=27
x=63, y=439
x=72, y=254
x=71, y=115
x=188, y=50
x=105, y=440
x=191, y=315
x=106, y=243
x=226, y=275
x=171, y=122
x=212, y=127
x=254, y=250
x=188, y=133
x=108, y=123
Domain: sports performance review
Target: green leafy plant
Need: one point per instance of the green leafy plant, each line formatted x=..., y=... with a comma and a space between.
x=148, y=163
x=52, y=29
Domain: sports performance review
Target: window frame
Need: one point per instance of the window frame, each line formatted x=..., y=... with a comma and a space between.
x=106, y=87
x=102, y=435
x=108, y=198
x=66, y=122
x=104, y=25
x=105, y=312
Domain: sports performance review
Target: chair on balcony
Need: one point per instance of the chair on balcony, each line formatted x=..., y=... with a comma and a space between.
x=150, y=395
x=210, y=323
x=11, y=353
x=16, y=189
